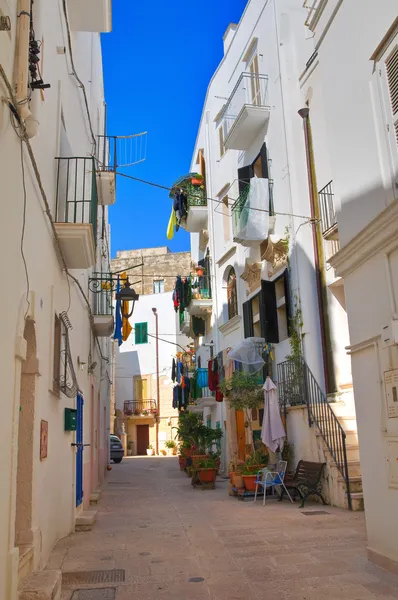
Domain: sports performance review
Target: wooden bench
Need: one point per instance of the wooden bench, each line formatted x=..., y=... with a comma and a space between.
x=306, y=481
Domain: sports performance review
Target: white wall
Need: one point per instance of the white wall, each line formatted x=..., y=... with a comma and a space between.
x=50, y=291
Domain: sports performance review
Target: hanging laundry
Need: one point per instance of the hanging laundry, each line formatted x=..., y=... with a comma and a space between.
x=171, y=225
x=202, y=378
x=198, y=326
x=173, y=370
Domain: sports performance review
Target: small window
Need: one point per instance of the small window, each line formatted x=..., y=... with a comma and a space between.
x=141, y=333
x=231, y=294
x=158, y=286
x=221, y=140
x=57, y=353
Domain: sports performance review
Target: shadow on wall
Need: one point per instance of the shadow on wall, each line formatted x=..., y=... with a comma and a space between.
x=127, y=367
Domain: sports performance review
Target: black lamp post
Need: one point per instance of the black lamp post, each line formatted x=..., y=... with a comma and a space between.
x=127, y=294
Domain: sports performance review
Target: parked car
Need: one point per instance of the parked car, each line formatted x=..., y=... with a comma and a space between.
x=117, y=450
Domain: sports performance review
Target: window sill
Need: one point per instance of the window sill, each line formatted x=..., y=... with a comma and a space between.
x=230, y=325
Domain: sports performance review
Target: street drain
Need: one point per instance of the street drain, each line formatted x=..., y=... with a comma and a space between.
x=309, y=513
x=94, y=577
x=196, y=579
x=98, y=594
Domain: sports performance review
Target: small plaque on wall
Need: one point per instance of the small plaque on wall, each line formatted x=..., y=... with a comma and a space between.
x=43, y=439
x=391, y=387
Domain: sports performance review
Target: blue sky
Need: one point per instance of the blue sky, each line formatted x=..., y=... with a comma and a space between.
x=158, y=61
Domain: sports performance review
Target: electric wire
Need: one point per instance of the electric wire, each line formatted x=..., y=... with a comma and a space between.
x=23, y=233
x=163, y=187
x=75, y=75
x=47, y=210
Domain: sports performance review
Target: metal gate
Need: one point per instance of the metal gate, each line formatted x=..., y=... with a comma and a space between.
x=79, y=450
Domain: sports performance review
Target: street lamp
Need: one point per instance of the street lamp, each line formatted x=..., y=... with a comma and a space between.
x=155, y=312
x=127, y=294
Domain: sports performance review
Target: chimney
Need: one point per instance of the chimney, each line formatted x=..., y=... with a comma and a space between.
x=229, y=35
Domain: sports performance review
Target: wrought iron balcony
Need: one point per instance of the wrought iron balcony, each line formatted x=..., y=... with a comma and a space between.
x=242, y=214
x=140, y=408
x=328, y=214
x=201, y=301
x=76, y=210
x=101, y=285
x=246, y=111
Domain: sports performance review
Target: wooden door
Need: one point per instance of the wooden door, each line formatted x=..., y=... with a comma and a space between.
x=240, y=433
x=142, y=439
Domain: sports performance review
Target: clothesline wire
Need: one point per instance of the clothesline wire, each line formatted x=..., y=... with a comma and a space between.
x=164, y=187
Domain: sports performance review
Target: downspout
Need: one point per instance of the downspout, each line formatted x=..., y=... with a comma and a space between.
x=22, y=68
x=327, y=355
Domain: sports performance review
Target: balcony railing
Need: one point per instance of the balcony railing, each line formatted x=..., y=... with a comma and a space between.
x=241, y=213
x=101, y=285
x=328, y=214
x=249, y=95
x=114, y=151
x=140, y=408
x=76, y=195
x=201, y=288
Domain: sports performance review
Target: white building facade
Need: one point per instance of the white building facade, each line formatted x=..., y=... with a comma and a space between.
x=261, y=235
x=55, y=343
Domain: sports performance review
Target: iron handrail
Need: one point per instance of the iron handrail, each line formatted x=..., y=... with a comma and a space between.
x=138, y=407
x=297, y=385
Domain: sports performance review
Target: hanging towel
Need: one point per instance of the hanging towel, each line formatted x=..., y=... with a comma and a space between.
x=171, y=225
x=202, y=378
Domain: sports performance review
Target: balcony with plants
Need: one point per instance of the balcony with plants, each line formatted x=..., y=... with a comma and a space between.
x=253, y=217
x=190, y=203
x=76, y=210
x=140, y=409
x=192, y=296
x=246, y=112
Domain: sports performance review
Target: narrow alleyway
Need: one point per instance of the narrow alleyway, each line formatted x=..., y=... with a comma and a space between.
x=174, y=542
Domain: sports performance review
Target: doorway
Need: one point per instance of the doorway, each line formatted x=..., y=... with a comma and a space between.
x=142, y=439
x=240, y=433
x=79, y=450
x=23, y=515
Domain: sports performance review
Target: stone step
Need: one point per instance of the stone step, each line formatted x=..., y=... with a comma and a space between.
x=351, y=436
x=354, y=467
x=355, y=484
x=356, y=501
x=43, y=585
x=95, y=496
x=85, y=520
x=352, y=451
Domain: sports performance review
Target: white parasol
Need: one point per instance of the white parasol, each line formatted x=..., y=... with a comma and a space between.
x=272, y=432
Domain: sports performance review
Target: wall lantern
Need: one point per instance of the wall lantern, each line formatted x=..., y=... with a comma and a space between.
x=127, y=294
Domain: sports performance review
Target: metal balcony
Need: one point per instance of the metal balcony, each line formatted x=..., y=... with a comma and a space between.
x=328, y=215
x=90, y=15
x=246, y=112
x=201, y=302
x=142, y=409
x=102, y=307
x=76, y=210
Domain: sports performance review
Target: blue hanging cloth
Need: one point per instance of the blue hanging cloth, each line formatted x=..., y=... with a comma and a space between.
x=118, y=317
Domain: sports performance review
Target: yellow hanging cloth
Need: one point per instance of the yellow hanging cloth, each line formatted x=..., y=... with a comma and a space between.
x=126, y=327
x=171, y=225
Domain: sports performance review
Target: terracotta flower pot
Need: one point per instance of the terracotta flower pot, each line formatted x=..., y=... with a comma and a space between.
x=207, y=475
x=196, y=181
x=238, y=481
x=250, y=482
x=197, y=457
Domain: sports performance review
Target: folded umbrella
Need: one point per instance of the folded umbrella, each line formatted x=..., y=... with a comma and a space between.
x=272, y=432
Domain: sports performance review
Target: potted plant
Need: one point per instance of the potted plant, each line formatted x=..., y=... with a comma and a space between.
x=249, y=479
x=170, y=445
x=200, y=271
x=129, y=448
x=150, y=450
x=128, y=412
x=145, y=413
x=137, y=411
x=197, y=179
x=206, y=470
x=253, y=463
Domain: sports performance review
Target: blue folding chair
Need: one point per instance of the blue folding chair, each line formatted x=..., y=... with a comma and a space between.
x=271, y=479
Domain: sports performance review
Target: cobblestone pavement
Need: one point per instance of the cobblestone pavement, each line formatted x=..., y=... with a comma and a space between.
x=175, y=542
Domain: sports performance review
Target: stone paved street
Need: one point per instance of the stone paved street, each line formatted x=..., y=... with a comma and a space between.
x=163, y=533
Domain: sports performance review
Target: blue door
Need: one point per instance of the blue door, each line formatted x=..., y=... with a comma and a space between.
x=79, y=450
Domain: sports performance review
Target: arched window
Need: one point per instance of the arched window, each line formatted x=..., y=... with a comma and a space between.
x=232, y=297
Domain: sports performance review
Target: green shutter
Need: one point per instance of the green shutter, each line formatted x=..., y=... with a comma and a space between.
x=141, y=333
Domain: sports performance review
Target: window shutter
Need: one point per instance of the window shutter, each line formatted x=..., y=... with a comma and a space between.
x=248, y=319
x=244, y=176
x=137, y=333
x=286, y=277
x=264, y=161
x=268, y=313
x=144, y=333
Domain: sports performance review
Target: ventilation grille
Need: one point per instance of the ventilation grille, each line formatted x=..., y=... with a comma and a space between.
x=93, y=577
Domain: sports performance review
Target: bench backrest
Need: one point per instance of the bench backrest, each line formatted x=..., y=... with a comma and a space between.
x=310, y=472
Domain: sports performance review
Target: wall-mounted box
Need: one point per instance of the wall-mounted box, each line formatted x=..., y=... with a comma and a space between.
x=70, y=419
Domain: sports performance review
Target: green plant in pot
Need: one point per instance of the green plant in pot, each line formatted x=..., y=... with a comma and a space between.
x=207, y=470
x=244, y=391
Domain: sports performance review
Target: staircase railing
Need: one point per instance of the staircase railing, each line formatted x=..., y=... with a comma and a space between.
x=297, y=385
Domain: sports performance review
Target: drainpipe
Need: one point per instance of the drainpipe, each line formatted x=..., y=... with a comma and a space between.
x=328, y=365
x=22, y=69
